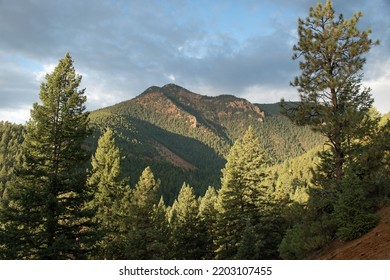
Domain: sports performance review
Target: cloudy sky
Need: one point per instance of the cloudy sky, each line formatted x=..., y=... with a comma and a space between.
x=121, y=47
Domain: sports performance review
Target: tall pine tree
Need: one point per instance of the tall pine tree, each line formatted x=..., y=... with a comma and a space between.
x=141, y=232
x=243, y=197
x=332, y=52
x=208, y=217
x=44, y=215
x=111, y=197
x=189, y=238
x=159, y=248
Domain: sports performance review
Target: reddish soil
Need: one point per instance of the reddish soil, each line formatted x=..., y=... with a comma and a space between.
x=375, y=245
x=173, y=158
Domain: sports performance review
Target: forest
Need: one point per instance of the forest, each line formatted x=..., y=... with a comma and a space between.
x=172, y=174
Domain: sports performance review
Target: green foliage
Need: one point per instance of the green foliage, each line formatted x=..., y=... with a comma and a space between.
x=159, y=247
x=345, y=212
x=372, y=164
x=141, y=229
x=145, y=192
x=195, y=129
x=50, y=209
x=332, y=100
x=341, y=209
x=11, y=138
x=50, y=186
x=333, y=103
x=244, y=196
x=143, y=144
x=303, y=238
x=353, y=214
x=385, y=119
x=189, y=236
x=208, y=217
x=247, y=249
x=293, y=178
x=382, y=146
x=242, y=181
x=110, y=197
x=106, y=161
x=312, y=225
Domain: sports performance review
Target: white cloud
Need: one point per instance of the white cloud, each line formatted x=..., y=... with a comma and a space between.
x=100, y=95
x=268, y=94
x=97, y=99
x=380, y=91
x=20, y=115
x=378, y=79
x=172, y=77
x=46, y=69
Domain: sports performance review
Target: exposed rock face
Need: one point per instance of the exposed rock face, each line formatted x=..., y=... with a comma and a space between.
x=193, y=122
x=195, y=108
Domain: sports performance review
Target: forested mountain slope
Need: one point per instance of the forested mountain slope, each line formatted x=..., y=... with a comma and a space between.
x=185, y=136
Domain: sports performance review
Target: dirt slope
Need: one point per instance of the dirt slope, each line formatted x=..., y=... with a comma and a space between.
x=375, y=245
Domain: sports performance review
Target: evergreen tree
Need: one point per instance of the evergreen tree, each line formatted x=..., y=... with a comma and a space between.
x=141, y=232
x=188, y=233
x=332, y=51
x=44, y=215
x=382, y=146
x=352, y=213
x=333, y=103
x=159, y=247
x=208, y=217
x=364, y=186
x=242, y=197
x=11, y=139
x=111, y=196
x=247, y=249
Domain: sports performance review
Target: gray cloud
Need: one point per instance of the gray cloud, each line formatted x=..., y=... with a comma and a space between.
x=122, y=47
x=16, y=84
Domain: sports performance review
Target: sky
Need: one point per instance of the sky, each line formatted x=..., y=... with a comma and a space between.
x=122, y=47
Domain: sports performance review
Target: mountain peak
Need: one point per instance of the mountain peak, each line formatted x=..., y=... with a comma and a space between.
x=168, y=89
x=173, y=87
x=178, y=92
x=150, y=90
x=173, y=98
x=172, y=128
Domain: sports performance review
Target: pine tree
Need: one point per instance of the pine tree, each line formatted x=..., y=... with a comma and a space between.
x=159, y=248
x=208, y=217
x=247, y=249
x=334, y=103
x=44, y=215
x=188, y=233
x=111, y=196
x=141, y=227
x=332, y=51
x=352, y=213
x=382, y=147
x=11, y=138
x=243, y=195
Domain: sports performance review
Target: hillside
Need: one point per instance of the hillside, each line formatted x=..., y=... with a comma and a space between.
x=185, y=136
x=375, y=245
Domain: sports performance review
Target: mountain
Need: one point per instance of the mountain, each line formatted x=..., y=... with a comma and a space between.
x=185, y=136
